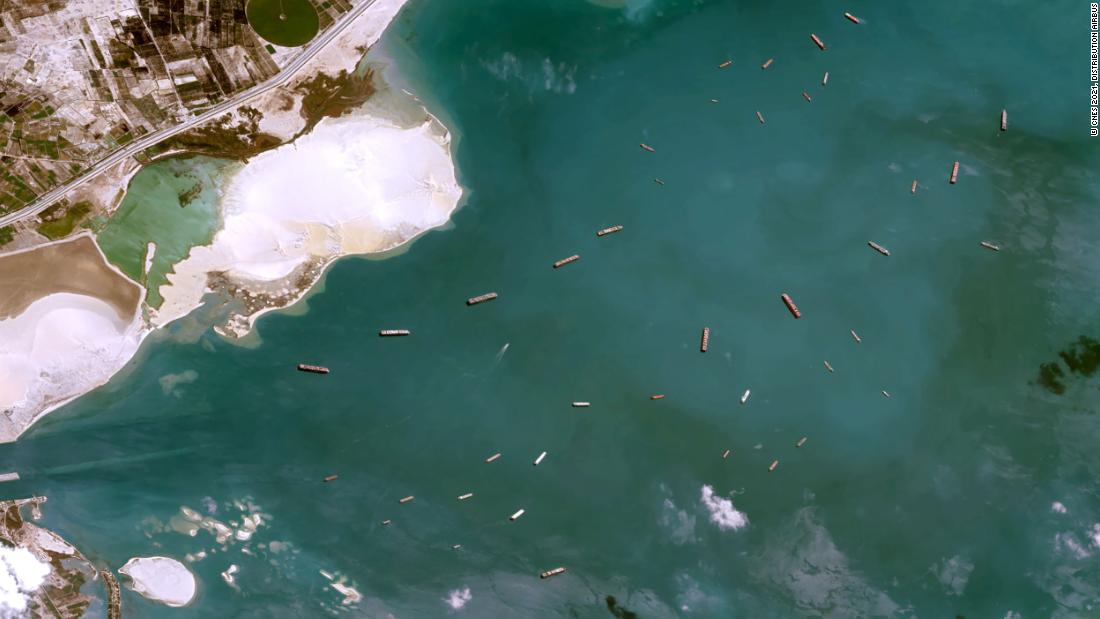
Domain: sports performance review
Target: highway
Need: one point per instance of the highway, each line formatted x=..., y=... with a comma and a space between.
x=45, y=200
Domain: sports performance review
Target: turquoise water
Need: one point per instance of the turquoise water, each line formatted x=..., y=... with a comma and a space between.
x=173, y=203
x=936, y=501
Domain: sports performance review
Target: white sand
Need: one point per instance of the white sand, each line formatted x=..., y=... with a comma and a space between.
x=150, y=255
x=229, y=578
x=61, y=346
x=161, y=579
x=52, y=542
x=282, y=115
x=343, y=53
x=354, y=185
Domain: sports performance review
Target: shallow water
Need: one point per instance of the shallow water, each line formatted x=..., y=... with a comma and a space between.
x=935, y=501
x=173, y=203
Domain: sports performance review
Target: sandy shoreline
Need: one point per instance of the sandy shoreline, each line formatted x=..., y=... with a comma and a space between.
x=365, y=183
x=355, y=185
x=161, y=579
x=72, y=322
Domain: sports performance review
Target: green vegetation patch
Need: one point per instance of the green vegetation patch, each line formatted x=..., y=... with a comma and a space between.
x=188, y=196
x=7, y=233
x=288, y=23
x=327, y=96
x=1081, y=357
x=62, y=221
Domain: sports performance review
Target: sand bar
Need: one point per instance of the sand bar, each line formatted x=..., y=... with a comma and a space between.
x=69, y=322
x=355, y=185
x=161, y=579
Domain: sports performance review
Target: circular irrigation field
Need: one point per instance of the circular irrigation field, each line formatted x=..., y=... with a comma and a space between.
x=288, y=23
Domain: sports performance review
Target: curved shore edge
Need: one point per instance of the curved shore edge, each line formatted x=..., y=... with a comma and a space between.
x=360, y=184
x=368, y=182
x=72, y=322
x=161, y=579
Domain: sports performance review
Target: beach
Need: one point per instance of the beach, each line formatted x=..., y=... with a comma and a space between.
x=162, y=579
x=355, y=185
x=69, y=323
x=969, y=491
x=364, y=183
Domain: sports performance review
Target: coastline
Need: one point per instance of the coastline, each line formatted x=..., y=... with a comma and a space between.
x=78, y=313
x=387, y=125
x=277, y=240
x=161, y=579
x=945, y=378
x=236, y=134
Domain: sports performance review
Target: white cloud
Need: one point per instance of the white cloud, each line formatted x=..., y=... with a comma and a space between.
x=1094, y=535
x=20, y=574
x=722, y=511
x=457, y=599
x=1057, y=507
x=1070, y=543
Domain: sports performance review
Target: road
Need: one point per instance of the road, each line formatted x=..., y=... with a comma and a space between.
x=45, y=200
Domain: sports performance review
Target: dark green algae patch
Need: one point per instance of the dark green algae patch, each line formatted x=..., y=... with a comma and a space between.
x=1082, y=358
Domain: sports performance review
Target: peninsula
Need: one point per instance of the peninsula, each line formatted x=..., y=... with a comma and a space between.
x=335, y=163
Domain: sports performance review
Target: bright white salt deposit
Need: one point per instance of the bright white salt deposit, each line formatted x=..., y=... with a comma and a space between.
x=722, y=511
x=353, y=185
x=161, y=579
x=48, y=540
x=284, y=117
x=351, y=594
x=458, y=598
x=21, y=573
x=228, y=576
x=61, y=346
x=340, y=584
x=150, y=255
